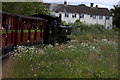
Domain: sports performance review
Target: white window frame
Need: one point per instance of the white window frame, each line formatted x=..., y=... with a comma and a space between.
x=73, y=15
x=91, y=15
x=94, y=16
x=81, y=15
x=66, y=15
x=100, y=17
x=107, y=17
x=108, y=27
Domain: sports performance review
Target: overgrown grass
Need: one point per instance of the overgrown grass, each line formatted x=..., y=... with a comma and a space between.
x=90, y=32
x=88, y=55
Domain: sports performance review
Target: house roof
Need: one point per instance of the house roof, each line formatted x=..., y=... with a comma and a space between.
x=78, y=9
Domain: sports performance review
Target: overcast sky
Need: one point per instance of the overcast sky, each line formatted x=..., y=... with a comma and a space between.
x=101, y=3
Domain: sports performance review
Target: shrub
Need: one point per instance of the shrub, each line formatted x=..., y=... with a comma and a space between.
x=66, y=24
x=97, y=28
x=81, y=27
x=116, y=29
x=63, y=23
x=78, y=21
x=69, y=24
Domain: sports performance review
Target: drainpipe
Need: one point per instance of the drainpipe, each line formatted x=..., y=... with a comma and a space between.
x=79, y=16
x=105, y=21
x=60, y=15
x=97, y=19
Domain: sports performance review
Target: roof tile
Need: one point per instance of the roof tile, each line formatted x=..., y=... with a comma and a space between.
x=79, y=9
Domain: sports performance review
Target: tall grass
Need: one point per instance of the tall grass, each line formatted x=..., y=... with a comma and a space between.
x=72, y=60
x=95, y=31
x=91, y=53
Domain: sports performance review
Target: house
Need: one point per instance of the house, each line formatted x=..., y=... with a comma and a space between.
x=119, y=4
x=88, y=15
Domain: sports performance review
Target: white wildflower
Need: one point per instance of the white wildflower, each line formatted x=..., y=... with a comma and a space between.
x=57, y=44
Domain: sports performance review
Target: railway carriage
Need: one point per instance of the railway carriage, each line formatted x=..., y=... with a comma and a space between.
x=30, y=30
x=18, y=29
x=8, y=31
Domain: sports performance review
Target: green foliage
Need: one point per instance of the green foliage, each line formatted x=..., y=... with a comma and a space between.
x=116, y=17
x=78, y=21
x=79, y=27
x=66, y=24
x=97, y=28
x=92, y=32
x=81, y=5
x=24, y=8
x=87, y=55
x=116, y=29
x=73, y=60
x=63, y=23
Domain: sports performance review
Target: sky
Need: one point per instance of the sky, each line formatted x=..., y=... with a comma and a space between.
x=101, y=3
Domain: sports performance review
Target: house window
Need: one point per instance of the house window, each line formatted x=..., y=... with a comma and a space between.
x=100, y=17
x=73, y=15
x=107, y=17
x=94, y=16
x=81, y=15
x=66, y=15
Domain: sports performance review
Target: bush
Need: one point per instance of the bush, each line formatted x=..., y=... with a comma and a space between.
x=63, y=23
x=97, y=28
x=116, y=29
x=66, y=24
x=78, y=21
x=79, y=27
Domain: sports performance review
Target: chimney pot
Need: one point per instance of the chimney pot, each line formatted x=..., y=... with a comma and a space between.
x=96, y=6
x=65, y=2
x=91, y=5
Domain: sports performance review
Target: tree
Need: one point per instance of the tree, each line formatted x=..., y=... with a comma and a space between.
x=116, y=15
x=81, y=5
x=25, y=8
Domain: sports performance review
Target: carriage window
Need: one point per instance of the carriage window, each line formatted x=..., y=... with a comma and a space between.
x=9, y=23
x=33, y=24
x=19, y=21
x=28, y=24
x=22, y=24
x=3, y=23
x=37, y=25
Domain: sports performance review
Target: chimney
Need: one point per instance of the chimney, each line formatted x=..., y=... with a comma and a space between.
x=96, y=6
x=91, y=5
x=65, y=2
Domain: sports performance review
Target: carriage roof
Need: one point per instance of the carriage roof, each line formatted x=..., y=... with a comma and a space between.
x=21, y=16
x=46, y=16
